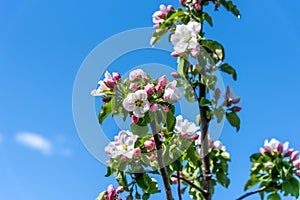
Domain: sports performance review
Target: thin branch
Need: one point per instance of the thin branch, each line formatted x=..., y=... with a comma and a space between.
x=192, y=184
x=178, y=186
x=253, y=192
x=163, y=169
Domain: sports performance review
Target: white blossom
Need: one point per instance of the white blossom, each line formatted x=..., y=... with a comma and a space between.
x=184, y=126
x=185, y=37
x=104, y=85
x=172, y=93
x=275, y=146
x=138, y=73
x=137, y=103
x=123, y=146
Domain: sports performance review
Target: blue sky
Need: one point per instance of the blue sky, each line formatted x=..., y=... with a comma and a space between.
x=42, y=45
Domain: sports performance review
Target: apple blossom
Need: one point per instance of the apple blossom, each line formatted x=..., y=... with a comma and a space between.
x=124, y=145
x=289, y=152
x=175, y=74
x=137, y=103
x=111, y=193
x=172, y=93
x=116, y=76
x=120, y=189
x=185, y=37
x=174, y=180
x=298, y=172
x=152, y=157
x=137, y=73
x=160, y=16
x=275, y=146
x=137, y=152
x=184, y=126
x=107, y=84
x=218, y=145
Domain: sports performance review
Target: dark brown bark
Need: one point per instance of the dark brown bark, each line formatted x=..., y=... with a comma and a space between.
x=163, y=169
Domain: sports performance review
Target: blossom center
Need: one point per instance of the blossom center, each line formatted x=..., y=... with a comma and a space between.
x=187, y=38
x=125, y=147
x=138, y=103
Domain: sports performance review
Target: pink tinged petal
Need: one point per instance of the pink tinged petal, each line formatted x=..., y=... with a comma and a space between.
x=129, y=102
x=141, y=95
x=133, y=87
x=294, y=155
x=289, y=152
x=297, y=163
x=170, y=7
x=163, y=8
x=149, y=145
x=111, y=192
x=156, y=26
x=262, y=151
x=123, y=158
x=108, y=76
x=286, y=146
x=298, y=172
x=120, y=189
x=149, y=88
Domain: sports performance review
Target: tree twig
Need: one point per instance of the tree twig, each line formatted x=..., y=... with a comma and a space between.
x=253, y=192
x=178, y=186
x=163, y=169
x=192, y=184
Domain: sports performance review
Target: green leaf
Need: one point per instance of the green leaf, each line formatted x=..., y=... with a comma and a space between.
x=108, y=172
x=210, y=81
x=101, y=196
x=207, y=18
x=204, y=102
x=234, y=120
x=198, y=119
x=189, y=94
x=219, y=113
x=106, y=109
x=182, y=66
x=291, y=186
x=139, y=130
x=223, y=179
x=146, y=196
x=157, y=35
x=215, y=47
x=171, y=121
x=274, y=196
x=229, y=70
x=231, y=7
x=251, y=182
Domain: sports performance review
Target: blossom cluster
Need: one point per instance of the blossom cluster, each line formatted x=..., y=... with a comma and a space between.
x=111, y=193
x=275, y=147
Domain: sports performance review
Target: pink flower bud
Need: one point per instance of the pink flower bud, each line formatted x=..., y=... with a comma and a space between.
x=111, y=192
x=198, y=6
x=120, y=189
x=159, y=88
x=175, y=74
x=298, y=172
x=262, y=151
x=176, y=54
x=153, y=107
x=134, y=119
x=106, y=99
x=152, y=157
x=182, y=134
x=116, y=76
x=123, y=158
x=182, y=2
x=166, y=108
x=137, y=152
x=294, y=155
x=217, y=93
x=279, y=148
x=149, y=145
x=162, y=81
x=289, y=152
x=297, y=163
x=149, y=88
x=174, y=180
x=238, y=109
x=133, y=87
x=170, y=7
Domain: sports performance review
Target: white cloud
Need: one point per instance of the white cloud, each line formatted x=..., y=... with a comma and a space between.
x=34, y=141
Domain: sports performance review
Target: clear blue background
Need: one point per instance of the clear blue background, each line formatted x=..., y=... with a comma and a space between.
x=43, y=43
